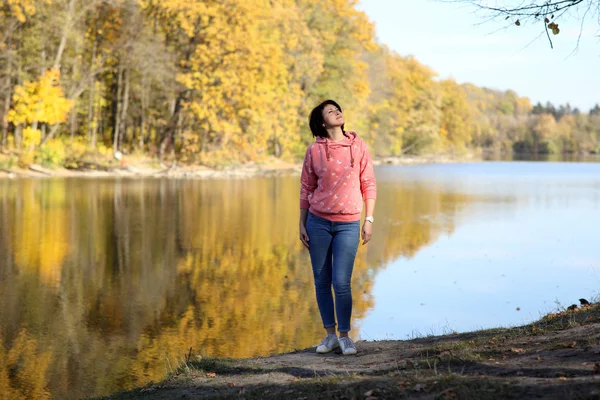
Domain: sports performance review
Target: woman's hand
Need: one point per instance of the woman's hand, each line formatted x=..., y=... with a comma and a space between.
x=367, y=231
x=304, y=236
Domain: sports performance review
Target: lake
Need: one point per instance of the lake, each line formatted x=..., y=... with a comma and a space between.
x=107, y=284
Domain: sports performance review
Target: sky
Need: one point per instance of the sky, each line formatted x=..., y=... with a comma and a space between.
x=456, y=41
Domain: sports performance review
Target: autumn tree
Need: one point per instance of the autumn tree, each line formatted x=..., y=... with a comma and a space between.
x=221, y=82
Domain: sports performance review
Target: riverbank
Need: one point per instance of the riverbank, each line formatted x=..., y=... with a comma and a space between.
x=151, y=169
x=557, y=357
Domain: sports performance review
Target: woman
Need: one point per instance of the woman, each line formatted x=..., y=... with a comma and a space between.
x=337, y=176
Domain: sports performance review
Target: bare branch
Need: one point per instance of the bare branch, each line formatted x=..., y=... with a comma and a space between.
x=548, y=11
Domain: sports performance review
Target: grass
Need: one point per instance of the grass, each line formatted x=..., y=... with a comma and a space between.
x=549, y=358
x=8, y=162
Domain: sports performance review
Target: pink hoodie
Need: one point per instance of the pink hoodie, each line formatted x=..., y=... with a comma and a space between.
x=336, y=178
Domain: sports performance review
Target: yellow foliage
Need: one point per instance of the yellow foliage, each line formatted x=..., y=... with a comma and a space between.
x=53, y=152
x=31, y=137
x=7, y=392
x=40, y=230
x=456, y=123
x=29, y=368
x=22, y=9
x=40, y=101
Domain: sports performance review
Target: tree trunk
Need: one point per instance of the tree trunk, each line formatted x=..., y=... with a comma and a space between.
x=96, y=121
x=142, y=131
x=73, y=123
x=91, y=99
x=73, y=113
x=51, y=134
x=123, y=118
x=144, y=100
x=169, y=132
x=65, y=32
x=6, y=109
x=117, y=110
x=18, y=130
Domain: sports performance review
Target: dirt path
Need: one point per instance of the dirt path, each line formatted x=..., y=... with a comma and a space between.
x=557, y=357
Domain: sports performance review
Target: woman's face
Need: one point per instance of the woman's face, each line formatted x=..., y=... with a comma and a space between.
x=332, y=116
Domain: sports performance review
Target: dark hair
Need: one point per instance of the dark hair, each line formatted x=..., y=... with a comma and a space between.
x=316, y=119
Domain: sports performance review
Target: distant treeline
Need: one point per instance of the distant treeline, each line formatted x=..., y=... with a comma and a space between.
x=221, y=81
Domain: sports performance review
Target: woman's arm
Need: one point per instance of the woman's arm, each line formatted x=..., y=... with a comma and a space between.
x=308, y=184
x=367, y=229
x=308, y=181
x=369, y=207
x=303, y=216
x=368, y=185
x=368, y=188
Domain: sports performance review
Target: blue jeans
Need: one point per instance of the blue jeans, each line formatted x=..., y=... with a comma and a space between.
x=333, y=247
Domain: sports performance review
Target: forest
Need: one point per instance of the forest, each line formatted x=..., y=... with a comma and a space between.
x=221, y=82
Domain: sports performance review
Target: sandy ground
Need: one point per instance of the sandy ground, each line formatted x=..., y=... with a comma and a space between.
x=557, y=357
x=142, y=170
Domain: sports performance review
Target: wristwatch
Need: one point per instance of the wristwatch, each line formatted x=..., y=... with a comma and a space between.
x=370, y=219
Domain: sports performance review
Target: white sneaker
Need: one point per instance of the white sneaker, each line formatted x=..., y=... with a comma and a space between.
x=329, y=343
x=347, y=346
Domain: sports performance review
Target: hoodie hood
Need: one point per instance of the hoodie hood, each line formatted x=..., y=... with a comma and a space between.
x=348, y=141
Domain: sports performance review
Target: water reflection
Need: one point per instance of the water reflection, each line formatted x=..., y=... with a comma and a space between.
x=106, y=284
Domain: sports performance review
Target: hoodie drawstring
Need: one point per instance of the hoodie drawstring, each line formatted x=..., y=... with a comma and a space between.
x=328, y=154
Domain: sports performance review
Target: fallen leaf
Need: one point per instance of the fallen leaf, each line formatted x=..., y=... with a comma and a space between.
x=562, y=378
x=211, y=375
x=231, y=384
x=448, y=394
x=570, y=345
x=538, y=358
x=404, y=385
x=419, y=387
x=517, y=350
x=370, y=393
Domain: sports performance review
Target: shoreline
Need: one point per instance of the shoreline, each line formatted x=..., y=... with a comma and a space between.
x=249, y=170
x=557, y=357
